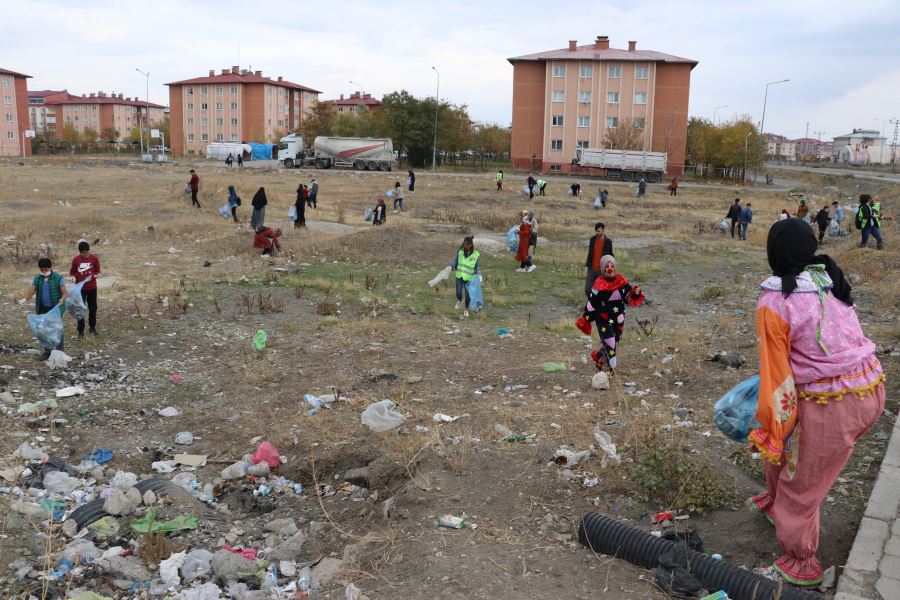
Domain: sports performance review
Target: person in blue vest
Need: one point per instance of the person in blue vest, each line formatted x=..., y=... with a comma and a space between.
x=49, y=291
x=744, y=220
x=467, y=264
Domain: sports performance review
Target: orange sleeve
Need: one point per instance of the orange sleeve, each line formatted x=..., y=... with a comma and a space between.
x=777, y=408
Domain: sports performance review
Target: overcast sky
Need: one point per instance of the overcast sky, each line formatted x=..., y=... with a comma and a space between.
x=842, y=58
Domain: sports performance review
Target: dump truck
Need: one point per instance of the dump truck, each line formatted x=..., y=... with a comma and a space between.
x=628, y=165
x=362, y=154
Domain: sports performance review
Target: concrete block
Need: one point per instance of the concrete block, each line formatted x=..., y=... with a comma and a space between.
x=888, y=587
x=856, y=583
x=885, y=495
x=868, y=546
x=846, y=596
x=889, y=566
x=893, y=546
x=892, y=453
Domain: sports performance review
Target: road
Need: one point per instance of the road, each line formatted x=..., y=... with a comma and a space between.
x=890, y=177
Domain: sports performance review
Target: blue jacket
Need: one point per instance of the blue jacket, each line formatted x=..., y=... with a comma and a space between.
x=746, y=215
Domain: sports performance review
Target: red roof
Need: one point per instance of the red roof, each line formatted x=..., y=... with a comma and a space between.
x=246, y=79
x=355, y=101
x=590, y=52
x=8, y=72
x=42, y=93
x=70, y=99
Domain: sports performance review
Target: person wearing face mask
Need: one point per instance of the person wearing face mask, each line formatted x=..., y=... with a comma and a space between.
x=49, y=291
x=606, y=307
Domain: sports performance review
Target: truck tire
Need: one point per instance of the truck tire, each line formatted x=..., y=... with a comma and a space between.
x=653, y=177
x=372, y=165
x=321, y=163
x=384, y=166
x=359, y=164
x=289, y=163
x=627, y=176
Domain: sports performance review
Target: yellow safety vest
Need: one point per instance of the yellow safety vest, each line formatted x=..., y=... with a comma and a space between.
x=465, y=267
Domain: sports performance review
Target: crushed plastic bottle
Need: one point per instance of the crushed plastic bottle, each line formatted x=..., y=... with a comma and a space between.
x=304, y=581
x=259, y=340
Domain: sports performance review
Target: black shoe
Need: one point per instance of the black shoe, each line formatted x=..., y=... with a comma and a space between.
x=80, y=335
x=45, y=355
x=94, y=332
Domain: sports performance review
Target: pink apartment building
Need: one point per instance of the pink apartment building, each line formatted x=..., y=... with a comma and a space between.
x=355, y=102
x=102, y=112
x=235, y=105
x=14, y=97
x=41, y=116
x=570, y=98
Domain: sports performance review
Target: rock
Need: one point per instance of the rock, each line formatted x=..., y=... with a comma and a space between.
x=288, y=568
x=283, y=527
x=119, y=504
x=260, y=469
x=135, y=496
x=129, y=568
x=600, y=381
x=196, y=565
x=149, y=498
x=69, y=528
x=289, y=549
x=228, y=567
x=353, y=556
x=730, y=359
x=359, y=476
x=326, y=571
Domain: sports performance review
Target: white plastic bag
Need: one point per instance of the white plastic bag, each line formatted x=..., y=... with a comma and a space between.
x=444, y=274
x=723, y=225
x=292, y=212
x=58, y=360
x=380, y=416
x=187, y=189
x=598, y=203
x=75, y=304
x=225, y=211
x=47, y=328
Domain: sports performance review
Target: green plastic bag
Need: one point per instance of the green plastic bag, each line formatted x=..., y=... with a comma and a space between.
x=554, y=367
x=89, y=596
x=148, y=523
x=104, y=528
x=259, y=340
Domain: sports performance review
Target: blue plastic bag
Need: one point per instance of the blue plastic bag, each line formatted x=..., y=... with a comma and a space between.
x=367, y=215
x=225, y=211
x=292, y=212
x=47, y=328
x=476, y=296
x=512, y=239
x=735, y=412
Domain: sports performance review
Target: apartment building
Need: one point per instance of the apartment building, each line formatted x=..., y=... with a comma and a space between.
x=780, y=147
x=102, y=113
x=42, y=118
x=14, y=92
x=572, y=97
x=862, y=147
x=355, y=102
x=236, y=105
x=813, y=149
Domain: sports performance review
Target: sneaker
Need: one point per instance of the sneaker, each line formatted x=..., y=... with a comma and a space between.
x=465, y=314
x=458, y=304
x=531, y=268
x=520, y=270
x=80, y=335
x=94, y=332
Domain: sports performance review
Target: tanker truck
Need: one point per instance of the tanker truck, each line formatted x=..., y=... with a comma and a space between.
x=362, y=154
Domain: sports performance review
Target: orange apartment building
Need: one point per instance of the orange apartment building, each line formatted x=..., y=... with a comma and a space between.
x=14, y=92
x=101, y=112
x=570, y=98
x=41, y=116
x=237, y=105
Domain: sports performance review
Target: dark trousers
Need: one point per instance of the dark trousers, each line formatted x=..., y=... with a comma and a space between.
x=531, y=191
x=462, y=288
x=733, y=225
x=194, y=198
x=542, y=188
x=301, y=214
x=90, y=298
x=822, y=233
x=673, y=191
x=589, y=280
x=311, y=201
x=499, y=184
x=234, y=213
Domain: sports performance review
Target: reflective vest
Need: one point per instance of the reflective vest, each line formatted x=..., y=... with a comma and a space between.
x=541, y=183
x=499, y=176
x=876, y=210
x=465, y=267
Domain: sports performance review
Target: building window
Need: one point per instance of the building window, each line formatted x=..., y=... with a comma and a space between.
x=10, y=135
x=612, y=122
x=190, y=122
x=586, y=72
x=640, y=97
x=559, y=96
x=234, y=89
x=219, y=90
x=220, y=106
x=6, y=82
x=9, y=118
x=204, y=121
x=640, y=122
x=220, y=137
x=584, y=97
x=204, y=90
x=582, y=144
x=7, y=100
x=190, y=137
x=340, y=109
x=556, y=144
x=204, y=137
x=234, y=106
x=641, y=72
x=234, y=122
x=220, y=121
x=612, y=97
x=234, y=137
x=555, y=168
x=584, y=121
x=190, y=106
x=613, y=72
x=556, y=120
x=559, y=70
x=189, y=90
x=204, y=106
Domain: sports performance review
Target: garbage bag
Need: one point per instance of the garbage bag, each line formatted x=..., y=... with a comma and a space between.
x=47, y=328
x=75, y=304
x=380, y=416
x=187, y=189
x=389, y=194
x=367, y=215
x=735, y=412
x=292, y=212
x=476, y=297
x=444, y=274
x=834, y=228
x=225, y=211
x=598, y=203
x=723, y=225
x=673, y=573
x=259, y=339
x=512, y=239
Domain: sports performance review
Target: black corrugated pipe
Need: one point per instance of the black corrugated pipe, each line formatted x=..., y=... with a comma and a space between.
x=608, y=536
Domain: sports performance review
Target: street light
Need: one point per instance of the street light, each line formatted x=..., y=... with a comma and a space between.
x=437, y=104
x=881, y=151
x=744, y=172
x=146, y=115
x=762, y=123
x=714, y=112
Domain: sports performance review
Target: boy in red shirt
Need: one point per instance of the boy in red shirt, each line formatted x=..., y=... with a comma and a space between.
x=86, y=267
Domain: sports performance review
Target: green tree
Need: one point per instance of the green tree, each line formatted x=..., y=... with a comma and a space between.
x=89, y=135
x=319, y=121
x=491, y=139
x=726, y=149
x=627, y=136
x=70, y=135
x=164, y=126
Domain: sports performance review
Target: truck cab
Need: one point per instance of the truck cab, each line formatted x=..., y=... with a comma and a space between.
x=292, y=150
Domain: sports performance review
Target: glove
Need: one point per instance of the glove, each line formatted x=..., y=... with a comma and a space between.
x=584, y=325
x=636, y=291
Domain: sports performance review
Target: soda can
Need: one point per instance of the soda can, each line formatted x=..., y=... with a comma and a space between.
x=451, y=521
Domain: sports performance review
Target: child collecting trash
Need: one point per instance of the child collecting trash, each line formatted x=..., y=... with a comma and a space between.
x=606, y=307
x=467, y=265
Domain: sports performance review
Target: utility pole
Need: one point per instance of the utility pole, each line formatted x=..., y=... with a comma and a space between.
x=819, y=134
x=896, y=124
x=437, y=105
x=762, y=125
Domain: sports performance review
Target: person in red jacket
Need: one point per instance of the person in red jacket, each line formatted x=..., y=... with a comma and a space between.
x=86, y=267
x=267, y=239
x=524, y=241
x=194, y=183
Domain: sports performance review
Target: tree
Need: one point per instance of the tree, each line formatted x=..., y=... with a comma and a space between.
x=627, y=136
x=70, y=135
x=319, y=121
x=89, y=135
x=164, y=126
x=725, y=149
x=490, y=139
x=109, y=134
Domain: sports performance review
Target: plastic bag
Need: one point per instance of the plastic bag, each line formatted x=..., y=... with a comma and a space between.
x=75, y=303
x=266, y=453
x=389, y=194
x=723, y=225
x=444, y=274
x=292, y=212
x=259, y=340
x=380, y=416
x=225, y=211
x=598, y=203
x=408, y=183
x=512, y=239
x=367, y=215
x=476, y=296
x=187, y=189
x=47, y=328
x=735, y=412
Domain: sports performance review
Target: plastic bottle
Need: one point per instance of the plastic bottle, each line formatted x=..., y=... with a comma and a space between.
x=304, y=581
x=271, y=580
x=315, y=403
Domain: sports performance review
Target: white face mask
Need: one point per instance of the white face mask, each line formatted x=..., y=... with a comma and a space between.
x=46, y=273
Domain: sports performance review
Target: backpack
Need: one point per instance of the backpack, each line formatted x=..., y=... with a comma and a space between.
x=238, y=200
x=859, y=218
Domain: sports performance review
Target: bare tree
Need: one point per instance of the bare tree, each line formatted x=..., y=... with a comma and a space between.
x=627, y=136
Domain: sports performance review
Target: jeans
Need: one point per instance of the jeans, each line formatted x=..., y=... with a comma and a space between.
x=311, y=201
x=872, y=230
x=90, y=298
x=531, y=191
x=461, y=288
x=398, y=202
x=742, y=230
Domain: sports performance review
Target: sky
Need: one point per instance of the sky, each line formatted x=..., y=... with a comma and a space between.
x=842, y=58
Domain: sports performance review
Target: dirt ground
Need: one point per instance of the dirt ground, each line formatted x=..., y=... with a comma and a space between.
x=347, y=310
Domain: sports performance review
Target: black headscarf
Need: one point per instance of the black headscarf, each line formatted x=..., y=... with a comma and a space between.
x=259, y=198
x=791, y=247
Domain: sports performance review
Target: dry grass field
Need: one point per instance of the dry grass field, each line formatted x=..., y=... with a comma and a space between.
x=347, y=310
